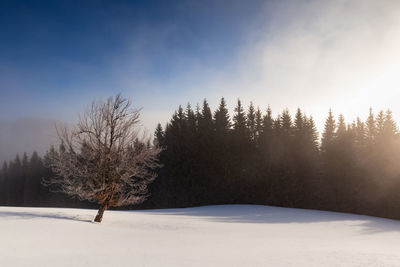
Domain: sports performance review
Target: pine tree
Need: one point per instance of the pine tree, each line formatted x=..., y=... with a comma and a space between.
x=191, y=122
x=311, y=133
x=277, y=125
x=159, y=136
x=268, y=125
x=371, y=128
x=239, y=121
x=360, y=133
x=16, y=182
x=389, y=125
x=25, y=180
x=286, y=123
x=341, y=127
x=329, y=132
x=222, y=154
x=205, y=120
x=268, y=120
x=251, y=121
x=3, y=184
x=266, y=139
x=299, y=122
x=221, y=119
x=259, y=123
x=240, y=149
x=380, y=123
x=37, y=172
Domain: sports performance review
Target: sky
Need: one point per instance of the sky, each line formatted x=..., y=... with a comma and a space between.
x=57, y=56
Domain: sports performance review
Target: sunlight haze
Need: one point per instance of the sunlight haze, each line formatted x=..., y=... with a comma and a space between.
x=312, y=54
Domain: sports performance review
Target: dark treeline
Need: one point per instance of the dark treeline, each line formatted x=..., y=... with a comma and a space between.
x=21, y=184
x=253, y=157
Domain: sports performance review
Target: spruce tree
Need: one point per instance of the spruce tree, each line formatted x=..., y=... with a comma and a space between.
x=389, y=125
x=222, y=154
x=159, y=136
x=329, y=132
x=251, y=121
x=259, y=123
x=268, y=120
x=205, y=119
x=17, y=185
x=240, y=144
x=286, y=123
x=341, y=127
x=221, y=119
x=277, y=125
x=37, y=172
x=267, y=127
x=191, y=122
x=311, y=133
x=360, y=133
x=299, y=122
x=371, y=128
x=25, y=181
x=239, y=121
x=3, y=184
x=266, y=139
x=380, y=123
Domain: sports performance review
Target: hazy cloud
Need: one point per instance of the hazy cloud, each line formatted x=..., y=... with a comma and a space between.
x=322, y=54
x=313, y=54
x=25, y=135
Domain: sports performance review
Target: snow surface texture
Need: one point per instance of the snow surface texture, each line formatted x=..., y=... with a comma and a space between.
x=229, y=235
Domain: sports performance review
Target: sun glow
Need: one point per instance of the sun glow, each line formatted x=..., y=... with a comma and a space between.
x=382, y=91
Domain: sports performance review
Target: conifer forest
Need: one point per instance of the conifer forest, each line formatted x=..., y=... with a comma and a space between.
x=250, y=156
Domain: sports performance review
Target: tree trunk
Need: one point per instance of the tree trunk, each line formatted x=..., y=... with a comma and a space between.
x=99, y=216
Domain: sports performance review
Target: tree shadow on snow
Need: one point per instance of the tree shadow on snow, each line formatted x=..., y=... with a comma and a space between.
x=277, y=215
x=38, y=215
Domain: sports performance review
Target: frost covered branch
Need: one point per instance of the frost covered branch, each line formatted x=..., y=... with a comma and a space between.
x=103, y=159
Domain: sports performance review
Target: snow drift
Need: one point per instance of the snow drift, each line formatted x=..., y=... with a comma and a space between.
x=229, y=235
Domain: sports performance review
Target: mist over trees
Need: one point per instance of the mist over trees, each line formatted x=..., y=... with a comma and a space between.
x=21, y=185
x=210, y=157
x=253, y=157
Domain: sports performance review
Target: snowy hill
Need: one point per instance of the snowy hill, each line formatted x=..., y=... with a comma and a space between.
x=230, y=235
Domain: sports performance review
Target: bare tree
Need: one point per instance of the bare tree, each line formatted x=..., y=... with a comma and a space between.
x=103, y=159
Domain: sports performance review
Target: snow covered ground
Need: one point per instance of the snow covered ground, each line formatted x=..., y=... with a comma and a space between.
x=230, y=235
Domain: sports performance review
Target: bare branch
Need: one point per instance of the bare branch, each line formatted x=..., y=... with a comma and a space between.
x=103, y=159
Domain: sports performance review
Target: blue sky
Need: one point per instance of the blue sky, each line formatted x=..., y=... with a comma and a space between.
x=57, y=56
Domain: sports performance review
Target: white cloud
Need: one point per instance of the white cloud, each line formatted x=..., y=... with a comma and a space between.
x=314, y=54
x=321, y=54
